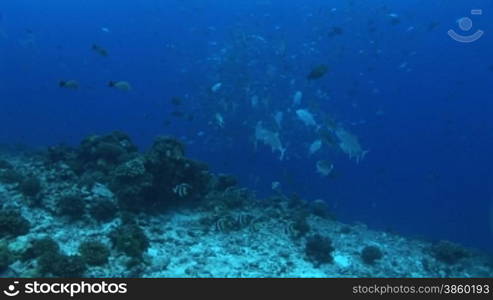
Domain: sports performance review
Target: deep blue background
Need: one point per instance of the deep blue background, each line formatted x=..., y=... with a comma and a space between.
x=429, y=169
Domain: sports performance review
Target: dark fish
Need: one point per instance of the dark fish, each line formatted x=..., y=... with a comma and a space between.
x=318, y=72
x=178, y=114
x=121, y=85
x=176, y=100
x=433, y=25
x=100, y=50
x=335, y=31
x=69, y=84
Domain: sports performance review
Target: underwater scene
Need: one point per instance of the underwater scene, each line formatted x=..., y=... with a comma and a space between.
x=246, y=138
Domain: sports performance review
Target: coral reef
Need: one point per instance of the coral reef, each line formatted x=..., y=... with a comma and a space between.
x=104, y=209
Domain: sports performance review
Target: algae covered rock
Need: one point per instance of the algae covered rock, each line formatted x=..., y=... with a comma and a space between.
x=6, y=256
x=131, y=183
x=130, y=239
x=94, y=253
x=72, y=205
x=30, y=187
x=319, y=249
x=13, y=224
x=103, y=152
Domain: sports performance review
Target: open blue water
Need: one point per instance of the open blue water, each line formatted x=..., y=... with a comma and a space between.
x=419, y=101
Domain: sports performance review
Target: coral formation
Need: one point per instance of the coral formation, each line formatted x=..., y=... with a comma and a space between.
x=61, y=265
x=5, y=165
x=39, y=247
x=370, y=254
x=103, y=210
x=72, y=206
x=9, y=175
x=30, y=187
x=12, y=223
x=448, y=252
x=94, y=253
x=130, y=239
x=6, y=256
x=319, y=249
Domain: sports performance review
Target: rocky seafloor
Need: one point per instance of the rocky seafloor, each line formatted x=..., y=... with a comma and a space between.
x=104, y=209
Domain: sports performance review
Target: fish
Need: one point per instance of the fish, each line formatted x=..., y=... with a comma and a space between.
x=433, y=25
x=121, y=85
x=314, y=147
x=178, y=114
x=324, y=167
x=318, y=72
x=69, y=84
x=176, y=100
x=100, y=50
x=269, y=138
x=219, y=120
x=394, y=19
x=335, y=31
x=254, y=101
x=306, y=117
x=278, y=117
x=216, y=87
x=350, y=145
x=298, y=96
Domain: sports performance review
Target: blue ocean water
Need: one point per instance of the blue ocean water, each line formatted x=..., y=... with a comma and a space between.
x=418, y=101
